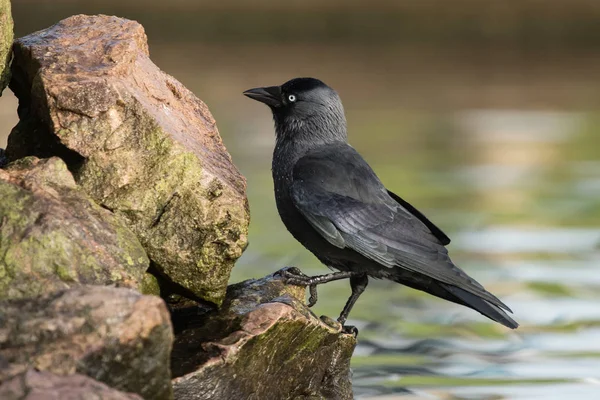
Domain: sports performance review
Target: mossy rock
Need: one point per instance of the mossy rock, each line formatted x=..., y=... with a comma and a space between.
x=53, y=236
x=264, y=343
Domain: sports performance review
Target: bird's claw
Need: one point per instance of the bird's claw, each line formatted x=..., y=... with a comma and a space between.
x=292, y=273
x=312, y=300
x=347, y=329
x=350, y=330
x=288, y=271
x=293, y=276
x=296, y=281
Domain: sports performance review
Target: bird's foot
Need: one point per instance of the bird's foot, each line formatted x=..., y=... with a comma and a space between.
x=350, y=330
x=293, y=276
x=347, y=329
x=290, y=271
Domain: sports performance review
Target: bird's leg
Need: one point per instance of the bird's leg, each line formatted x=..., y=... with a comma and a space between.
x=294, y=276
x=358, y=283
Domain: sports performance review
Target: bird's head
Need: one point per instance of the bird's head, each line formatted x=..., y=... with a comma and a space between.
x=304, y=108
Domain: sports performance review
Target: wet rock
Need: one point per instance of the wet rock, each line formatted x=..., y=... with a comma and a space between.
x=114, y=335
x=35, y=385
x=264, y=343
x=53, y=236
x=6, y=39
x=139, y=143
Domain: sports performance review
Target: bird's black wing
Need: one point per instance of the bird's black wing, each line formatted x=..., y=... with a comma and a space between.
x=339, y=194
x=437, y=232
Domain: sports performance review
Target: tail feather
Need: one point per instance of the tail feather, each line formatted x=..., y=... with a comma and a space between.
x=476, y=303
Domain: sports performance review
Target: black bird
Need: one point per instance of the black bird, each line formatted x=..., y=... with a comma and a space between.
x=332, y=202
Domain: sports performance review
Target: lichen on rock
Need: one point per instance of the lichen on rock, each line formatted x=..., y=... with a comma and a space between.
x=53, y=236
x=264, y=343
x=113, y=335
x=138, y=142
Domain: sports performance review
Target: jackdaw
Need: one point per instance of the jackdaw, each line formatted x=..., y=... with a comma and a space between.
x=333, y=203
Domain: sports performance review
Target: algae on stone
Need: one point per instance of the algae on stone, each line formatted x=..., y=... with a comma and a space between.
x=139, y=143
x=53, y=236
x=6, y=39
x=150, y=285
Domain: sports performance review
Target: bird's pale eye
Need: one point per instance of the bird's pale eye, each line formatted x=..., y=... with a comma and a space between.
x=291, y=98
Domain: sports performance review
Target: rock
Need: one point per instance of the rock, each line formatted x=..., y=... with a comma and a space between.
x=263, y=343
x=53, y=236
x=34, y=385
x=6, y=39
x=3, y=159
x=138, y=142
x=114, y=335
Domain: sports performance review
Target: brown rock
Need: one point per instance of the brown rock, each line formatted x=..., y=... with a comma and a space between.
x=53, y=236
x=114, y=335
x=264, y=343
x=138, y=142
x=35, y=385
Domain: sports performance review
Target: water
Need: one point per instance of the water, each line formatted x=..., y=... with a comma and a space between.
x=518, y=190
x=523, y=209
x=501, y=152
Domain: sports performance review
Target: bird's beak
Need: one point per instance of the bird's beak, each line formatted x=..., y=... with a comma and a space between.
x=270, y=95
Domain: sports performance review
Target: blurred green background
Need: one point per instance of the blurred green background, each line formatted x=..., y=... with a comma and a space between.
x=483, y=114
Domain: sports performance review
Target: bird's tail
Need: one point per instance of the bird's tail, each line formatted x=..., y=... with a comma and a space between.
x=476, y=303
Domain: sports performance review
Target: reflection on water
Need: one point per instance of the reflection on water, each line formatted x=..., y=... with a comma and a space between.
x=516, y=186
